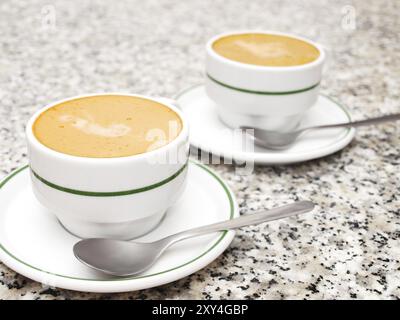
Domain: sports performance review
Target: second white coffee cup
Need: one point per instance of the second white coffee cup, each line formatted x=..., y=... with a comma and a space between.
x=266, y=97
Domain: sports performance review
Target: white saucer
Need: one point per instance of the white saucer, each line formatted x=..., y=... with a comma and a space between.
x=34, y=244
x=209, y=134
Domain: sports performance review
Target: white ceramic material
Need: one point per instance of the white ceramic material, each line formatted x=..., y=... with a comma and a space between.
x=34, y=244
x=209, y=134
x=272, y=98
x=120, y=198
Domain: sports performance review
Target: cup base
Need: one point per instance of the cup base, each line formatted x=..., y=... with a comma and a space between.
x=127, y=230
x=236, y=120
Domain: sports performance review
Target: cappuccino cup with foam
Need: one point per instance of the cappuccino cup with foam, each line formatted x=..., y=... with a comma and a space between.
x=108, y=165
x=263, y=79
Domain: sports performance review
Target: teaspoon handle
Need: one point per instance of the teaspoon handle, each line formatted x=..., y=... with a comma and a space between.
x=251, y=219
x=366, y=122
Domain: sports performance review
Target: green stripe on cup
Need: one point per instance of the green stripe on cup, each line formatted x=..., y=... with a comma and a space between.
x=109, y=194
x=262, y=92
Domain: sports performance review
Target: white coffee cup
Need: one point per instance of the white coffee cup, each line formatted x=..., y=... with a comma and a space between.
x=122, y=197
x=266, y=97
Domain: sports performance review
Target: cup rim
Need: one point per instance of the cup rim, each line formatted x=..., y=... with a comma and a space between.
x=31, y=138
x=243, y=65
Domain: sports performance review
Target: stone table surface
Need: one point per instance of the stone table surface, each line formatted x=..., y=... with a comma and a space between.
x=349, y=248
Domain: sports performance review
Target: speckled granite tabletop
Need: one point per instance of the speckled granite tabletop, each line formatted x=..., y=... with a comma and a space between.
x=349, y=248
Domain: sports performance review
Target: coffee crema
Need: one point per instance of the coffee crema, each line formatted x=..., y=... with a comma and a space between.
x=107, y=126
x=266, y=49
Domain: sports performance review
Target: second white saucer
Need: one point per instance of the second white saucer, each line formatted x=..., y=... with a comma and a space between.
x=209, y=134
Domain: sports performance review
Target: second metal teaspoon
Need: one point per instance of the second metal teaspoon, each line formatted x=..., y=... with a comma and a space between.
x=281, y=140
